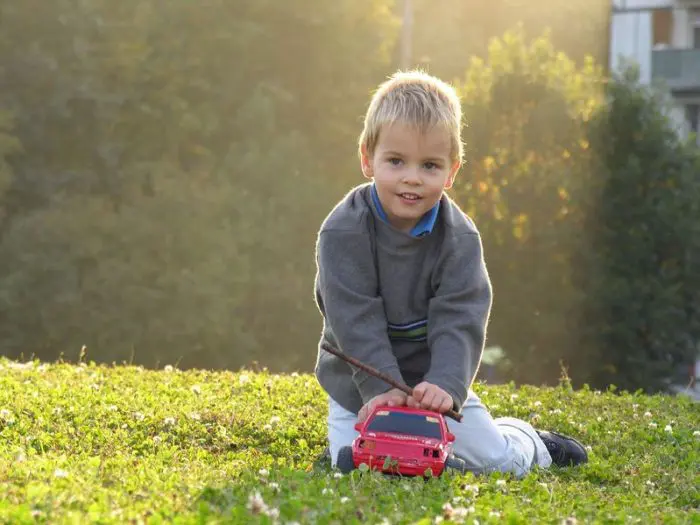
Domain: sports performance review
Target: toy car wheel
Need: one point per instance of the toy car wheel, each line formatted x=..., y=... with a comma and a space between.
x=455, y=463
x=345, y=462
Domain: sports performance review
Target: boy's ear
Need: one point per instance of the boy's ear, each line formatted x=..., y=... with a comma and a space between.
x=451, y=177
x=366, y=162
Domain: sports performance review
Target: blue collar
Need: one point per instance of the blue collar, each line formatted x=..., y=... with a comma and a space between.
x=423, y=227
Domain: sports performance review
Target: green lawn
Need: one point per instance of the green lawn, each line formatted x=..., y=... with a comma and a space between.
x=96, y=444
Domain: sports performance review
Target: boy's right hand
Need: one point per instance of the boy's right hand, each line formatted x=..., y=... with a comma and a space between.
x=392, y=398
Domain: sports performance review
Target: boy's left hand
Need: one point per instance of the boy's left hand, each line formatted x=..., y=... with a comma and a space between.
x=430, y=397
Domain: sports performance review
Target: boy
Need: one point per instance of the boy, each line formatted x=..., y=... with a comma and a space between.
x=403, y=287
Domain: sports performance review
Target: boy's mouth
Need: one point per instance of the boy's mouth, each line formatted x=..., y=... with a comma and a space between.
x=409, y=196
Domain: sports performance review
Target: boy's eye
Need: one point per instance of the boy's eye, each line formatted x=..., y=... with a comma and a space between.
x=395, y=161
x=430, y=166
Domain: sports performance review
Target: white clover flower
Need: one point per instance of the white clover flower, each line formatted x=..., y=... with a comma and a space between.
x=635, y=406
x=474, y=489
x=459, y=514
x=264, y=472
x=494, y=514
x=157, y=440
x=538, y=403
x=111, y=408
x=256, y=504
x=647, y=414
x=243, y=379
x=696, y=433
x=295, y=374
x=457, y=500
x=274, y=486
x=138, y=416
x=168, y=368
x=652, y=425
x=274, y=420
x=195, y=416
x=438, y=519
x=95, y=386
x=20, y=456
x=5, y=414
x=196, y=389
x=589, y=448
x=327, y=491
x=500, y=482
x=556, y=411
x=267, y=427
x=344, y=499
x=543, y=485
x=60, y=473
x=599, y=419
x=274, y=513
x=514, y=396
x=169, y=421
x=668, y=428
x=337, y=475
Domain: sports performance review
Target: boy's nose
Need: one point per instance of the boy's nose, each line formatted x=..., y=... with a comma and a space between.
x=411, y=177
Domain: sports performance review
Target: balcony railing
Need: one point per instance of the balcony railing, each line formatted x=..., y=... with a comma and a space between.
x=679, y=68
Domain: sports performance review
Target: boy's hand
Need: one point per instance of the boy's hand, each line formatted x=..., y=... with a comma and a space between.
x=392, y=398
x=430, y=397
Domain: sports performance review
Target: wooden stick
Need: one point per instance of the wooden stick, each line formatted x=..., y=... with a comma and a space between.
x=381, y=375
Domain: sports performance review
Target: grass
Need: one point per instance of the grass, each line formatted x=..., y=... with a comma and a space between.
x=121, y=444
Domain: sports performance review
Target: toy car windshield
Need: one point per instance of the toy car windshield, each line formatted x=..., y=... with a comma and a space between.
x=404, y=423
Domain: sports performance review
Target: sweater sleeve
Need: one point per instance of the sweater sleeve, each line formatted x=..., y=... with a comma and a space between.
x=353, y=309
x=457, y=318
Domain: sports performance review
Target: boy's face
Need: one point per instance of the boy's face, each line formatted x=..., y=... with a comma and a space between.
x=410, y=169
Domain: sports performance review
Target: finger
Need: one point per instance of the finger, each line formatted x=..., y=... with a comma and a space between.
x=437, y=402
x=419, y=391
x=446, y=404
x=362, y=414
x=427, y=401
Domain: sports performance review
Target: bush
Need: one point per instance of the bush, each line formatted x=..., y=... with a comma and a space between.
x=638, y=270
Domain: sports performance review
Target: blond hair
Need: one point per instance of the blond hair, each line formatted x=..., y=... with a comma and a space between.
x=417, y=99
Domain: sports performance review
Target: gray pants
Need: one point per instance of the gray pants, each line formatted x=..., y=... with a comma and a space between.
x=505, y=444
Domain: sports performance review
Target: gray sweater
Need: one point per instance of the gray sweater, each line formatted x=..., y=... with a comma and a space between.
x=415, y=308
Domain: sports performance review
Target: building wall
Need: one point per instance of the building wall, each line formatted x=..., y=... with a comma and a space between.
x=639, y=26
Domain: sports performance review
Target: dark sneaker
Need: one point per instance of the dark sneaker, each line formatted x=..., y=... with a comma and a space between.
x=565, y=451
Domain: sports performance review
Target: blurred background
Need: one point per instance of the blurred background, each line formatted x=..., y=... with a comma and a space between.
x=165, y=166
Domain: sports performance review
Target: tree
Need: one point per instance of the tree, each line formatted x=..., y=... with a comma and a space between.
x=525, y=108
x=640, y=263
x=178, y=151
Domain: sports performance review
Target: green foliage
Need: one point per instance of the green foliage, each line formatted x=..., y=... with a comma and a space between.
x=526, y=148
x=640, y=263
x=88, y=443
x=578, y=28
x=179, y=158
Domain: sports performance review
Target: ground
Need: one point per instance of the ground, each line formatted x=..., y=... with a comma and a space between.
x=112, y=444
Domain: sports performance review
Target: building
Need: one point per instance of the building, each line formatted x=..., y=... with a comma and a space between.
x=663, y=37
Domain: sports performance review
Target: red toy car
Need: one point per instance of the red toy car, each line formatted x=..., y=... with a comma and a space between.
x=401, y=440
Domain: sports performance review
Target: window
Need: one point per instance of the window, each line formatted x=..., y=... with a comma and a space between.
x=695, y=28
x=662, y=26
x=405, y=423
